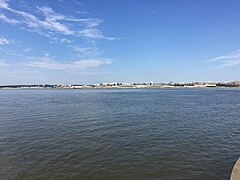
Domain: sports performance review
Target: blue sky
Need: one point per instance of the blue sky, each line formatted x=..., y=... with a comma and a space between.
x=92, y=41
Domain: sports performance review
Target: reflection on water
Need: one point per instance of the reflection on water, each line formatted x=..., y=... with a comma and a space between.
x=119, y=134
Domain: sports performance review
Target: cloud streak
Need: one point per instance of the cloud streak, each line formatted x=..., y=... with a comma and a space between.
x=231, y=59
x=85, y=50
x=3, y=63
x=3, y=4
x=49, y=22
x=64, y=40
x=72, y=33
x=51, y=64
x=8, y=20
x=4, y=41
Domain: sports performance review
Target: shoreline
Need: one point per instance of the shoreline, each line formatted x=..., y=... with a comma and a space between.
x=69, y=88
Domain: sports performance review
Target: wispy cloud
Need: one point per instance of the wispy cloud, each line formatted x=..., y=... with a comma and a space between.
x=48, y=63
x=49, y=21
x=231, y=63
x=85, y=50
x=4, y=41
x=69, y=31
x=10, y=51
x=3, y=63
x=82, y=12
x=9, y=20
x=3, y=4
x=231, y=59
x=64, y=40
x=27, y=50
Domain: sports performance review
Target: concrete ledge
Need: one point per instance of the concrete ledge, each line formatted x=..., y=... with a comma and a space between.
x=236, y=171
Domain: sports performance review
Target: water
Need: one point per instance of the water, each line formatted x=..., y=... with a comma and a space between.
x=119, y=134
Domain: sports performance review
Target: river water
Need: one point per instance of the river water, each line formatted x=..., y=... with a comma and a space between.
x=119, y=133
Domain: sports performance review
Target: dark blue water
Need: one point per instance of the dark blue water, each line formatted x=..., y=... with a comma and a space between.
x=119, y=134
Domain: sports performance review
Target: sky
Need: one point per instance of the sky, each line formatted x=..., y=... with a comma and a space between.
x=92, y=41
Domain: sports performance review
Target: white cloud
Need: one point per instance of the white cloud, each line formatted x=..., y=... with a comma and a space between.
x=231, y=63
x=11, y=51
x=50, y=14
x=92, y=33
x=27, y=50
x=64, y=40
x=47, y=63
x=4, y=41
x=49, y=23
x=231, y=59
x=78, y=3
x=8, y=20
x=52, y=21
x=3, y=4
x=89, y=22
x=84, y=50
x=3, y=63
x=82, y=12
x=55, y=22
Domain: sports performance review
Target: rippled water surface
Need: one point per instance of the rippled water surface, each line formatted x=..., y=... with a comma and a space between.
x=119, y=134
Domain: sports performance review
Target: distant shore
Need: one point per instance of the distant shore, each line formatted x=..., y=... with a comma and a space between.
x=115, y=85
